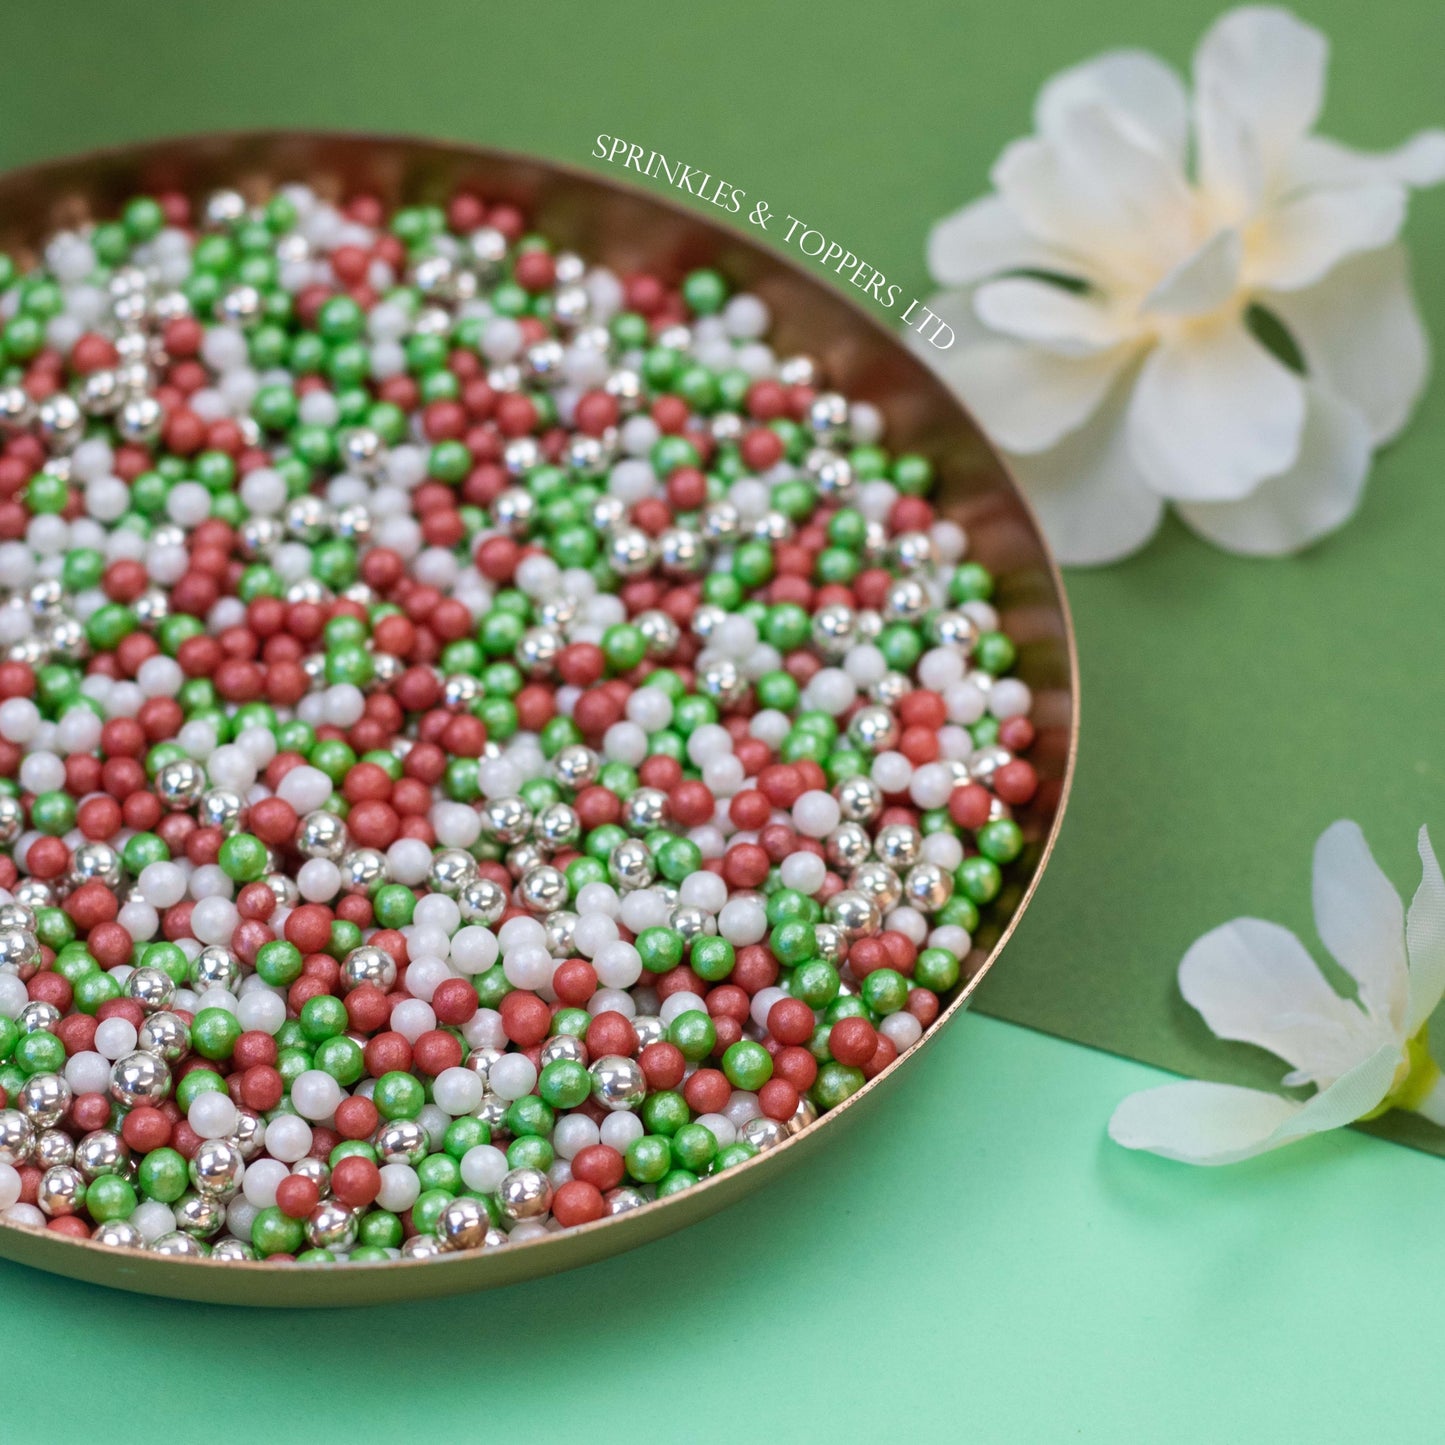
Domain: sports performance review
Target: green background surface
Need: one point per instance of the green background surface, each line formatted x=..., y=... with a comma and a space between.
x=973, y=1259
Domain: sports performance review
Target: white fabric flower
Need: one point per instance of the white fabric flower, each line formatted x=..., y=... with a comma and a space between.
x=1107, y=298
x=1253, y=982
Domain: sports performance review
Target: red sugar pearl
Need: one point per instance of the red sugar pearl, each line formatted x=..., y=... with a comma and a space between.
x=578, y=1202
x=600, y=1165
x=297, y=1196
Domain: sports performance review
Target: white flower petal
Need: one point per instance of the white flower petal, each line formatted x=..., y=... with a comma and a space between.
x=1425, y=936
x=1317, y=495
x=1047, y=315
x=1093, y=503
x=1361, y=921
x=1259, y=78
x=1213, y=414
x=984, y=239
x=1294, y=244
x=1221, y=1124
x=1138, y=84
x=1203, y=281
x=1253, y=982
x=1098, y=188
x=1360, y=334
x=1201, y=1123
x=1317, y=161
x=1024, y=397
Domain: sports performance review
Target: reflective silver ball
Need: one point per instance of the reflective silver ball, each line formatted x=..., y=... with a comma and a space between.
x=101, y=1152
x=331, y=1226
x=164, y=1034
x=61, y=1190
x=524, y=1194
x=618, y=1082
x=44, y=1098
x=463, y=1224
x=140, y=1078
x=368, y=964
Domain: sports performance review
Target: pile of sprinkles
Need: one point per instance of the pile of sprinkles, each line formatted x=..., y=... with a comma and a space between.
x=484, y=742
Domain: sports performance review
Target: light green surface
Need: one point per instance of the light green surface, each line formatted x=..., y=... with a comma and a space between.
x=975, y=1262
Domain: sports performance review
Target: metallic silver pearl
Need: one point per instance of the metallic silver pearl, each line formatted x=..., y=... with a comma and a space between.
x=216, y=1168
x=101, y=1152
x=44, y=1098
x=451, y=871
x=521, y=858
x=832, y=474
x=198, y=1215
x=543, y=889
x=54, y=1147
x=831, y=943
x=874, y=729
x=481, y=901
x=507, y=820
x=649, y=1030
x=491, y=1111
x=165, y=1035
x=927, y=887
x=762, y=1133
x=12, y=819
x=180, y=784
x=576, y=766
x=151, y=608
x=878, y=883
x=35, y=893
x=283, y=889
x=421, y=1246
x=536, y=651
x=854, y=914
x=178, y=1244
x=17, y=410
x=460, y=691
x=773, y=527
x=561, y=930
x=543, y=360
x=706, y=620
x=681, y=553
x=828, y=415
x=659, y=632
x=249, y=1134
x=368, y=964
x=624, y=1199
x=630, y=865
x=363, y=870
x=61, y=1190
x=906, y=601
x=463, y=1224
x=17, y=1137
x=557, y=826
x=691, y=923
x=215, y=966
x=260, y=536
x=237, y=1251
x=306, y=519
x=898, y=845
x=321, y=835
x=331, y=1226
x=860, y=799
x=722, y=680
x=17, y=915
x=835, y=630
x=61, y=423
x=139, y=420
x=37, y=1017
x=153, y=989
x=618, y=1082
x=629, y=551
x=96, y=863
x=514, y=511
x=316, y=1170
x=118, y=1234
x=221, y=808
x=645, y=810
x=986, y=761
x=564, y=1046
x=890, y=689
x=803, y=1115
x=66, y=640
x=626, y=385
x=720, y=523
x=402, y=1141
x=480, y=1062
x=140, y=1078
x=19, y=952
x=524, y=1194
x=606, y=512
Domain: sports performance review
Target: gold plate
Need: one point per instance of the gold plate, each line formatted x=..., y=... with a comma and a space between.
x=628, y=229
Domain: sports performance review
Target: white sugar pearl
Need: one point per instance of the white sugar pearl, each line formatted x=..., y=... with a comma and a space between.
x=594, y=931
x=413, y=1017
x=931, y=785
x=618, y=965
x=213, y=1116
x=424, y=974
x=723, y=776
x=240, y=1216
x=643, y=908
x=260, y=1181
x=530, y=967
x=10, y=1185
x=954, y=742
x=720, y=1127
x=115, y=1037
x=457, y=1091
x=483, y=1168
x=517, y=932
x=804, y=872
x=680, y=1003
x=261, y=1010
x=891, y=771
x=620, y=1129
x=741, y=1106
x=88, y=1072
x=965, y=703
x=903, y=1029
x=502, y=339
x=315, y=1094
x=345, y=705
x=42, y=773
x=485, y=1030
x=19, y=719
x=29, y=1217
x=305, y=788
x=625, y=742
x=162, y=884
x=400, y=1187
x=763, y=1000
x=13, y=995
x=318, y=879
x=816, y=814
x=940, y=668
x=909, y=922
x=573, y=1134
x=264, y=490
x=473, y=949
x=512, y=1076
x=830, y=690
x=408, y=861
x=456, y=825
x=952, y=938
x=288, y=1137
x=708, y=742
x=436, y=910
x=612, y=1000
x=703, y=890
x=743, y=921
x=160, y=677
x=598, y=898
x=648, y=707
x=139, y=920
x=214, y=920
x=1009, y=697
x=943, y=849
x=188, y=504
